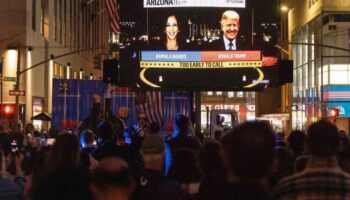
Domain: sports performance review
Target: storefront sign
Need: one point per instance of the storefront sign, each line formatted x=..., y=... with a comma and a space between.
x=237, y=107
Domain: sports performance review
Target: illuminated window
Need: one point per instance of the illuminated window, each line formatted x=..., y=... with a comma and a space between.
x=55, y=70
x=339, y=74
x=240, y=94
x=61, y=71
x=230, y=94
x=219, y=93
x=210, y=93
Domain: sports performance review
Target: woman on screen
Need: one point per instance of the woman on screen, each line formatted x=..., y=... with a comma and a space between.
x=171, y=33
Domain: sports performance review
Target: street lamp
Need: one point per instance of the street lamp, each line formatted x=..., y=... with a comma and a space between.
x=284, y=8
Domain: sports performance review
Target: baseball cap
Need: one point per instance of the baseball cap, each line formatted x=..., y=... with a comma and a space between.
x=153, y=144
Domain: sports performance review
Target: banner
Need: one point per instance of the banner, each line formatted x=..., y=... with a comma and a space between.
x=194, y=3
x=72, y=102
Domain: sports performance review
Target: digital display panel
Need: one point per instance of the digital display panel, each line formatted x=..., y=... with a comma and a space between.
x=194, y=45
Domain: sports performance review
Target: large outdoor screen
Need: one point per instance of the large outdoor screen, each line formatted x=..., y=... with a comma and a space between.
x=191, y=44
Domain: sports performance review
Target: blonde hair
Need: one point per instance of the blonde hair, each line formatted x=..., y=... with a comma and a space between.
x=229, y=14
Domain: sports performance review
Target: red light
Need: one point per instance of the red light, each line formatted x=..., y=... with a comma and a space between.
x=8, y=109
x=334, y=112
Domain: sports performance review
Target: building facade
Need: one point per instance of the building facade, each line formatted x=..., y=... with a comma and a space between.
x=322, y=63
x=44, y=30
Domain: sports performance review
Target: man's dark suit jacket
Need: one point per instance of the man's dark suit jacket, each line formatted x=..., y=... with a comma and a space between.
x=219, y=45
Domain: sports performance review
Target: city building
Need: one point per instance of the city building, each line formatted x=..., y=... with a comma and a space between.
x=34, y=31
x=322, y=63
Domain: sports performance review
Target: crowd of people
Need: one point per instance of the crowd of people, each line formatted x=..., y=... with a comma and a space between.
x=115, y=162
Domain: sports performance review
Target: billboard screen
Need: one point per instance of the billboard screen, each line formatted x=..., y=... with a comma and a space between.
x=191, y=47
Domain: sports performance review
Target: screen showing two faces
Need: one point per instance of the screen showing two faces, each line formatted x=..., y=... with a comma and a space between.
x=184, y=44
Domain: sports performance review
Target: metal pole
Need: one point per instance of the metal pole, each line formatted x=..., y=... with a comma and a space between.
x=17, y=88
x=198, y=112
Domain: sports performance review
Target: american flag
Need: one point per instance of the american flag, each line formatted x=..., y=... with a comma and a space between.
x=150, y=103
x=112, y=8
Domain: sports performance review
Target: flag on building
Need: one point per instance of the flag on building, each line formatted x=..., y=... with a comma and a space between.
x=113, y=11
x=151, y=104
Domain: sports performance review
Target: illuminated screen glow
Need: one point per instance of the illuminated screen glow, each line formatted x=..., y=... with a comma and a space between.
x=206, y=48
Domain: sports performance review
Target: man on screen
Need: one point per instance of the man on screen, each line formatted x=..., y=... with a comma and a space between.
x=230, y=28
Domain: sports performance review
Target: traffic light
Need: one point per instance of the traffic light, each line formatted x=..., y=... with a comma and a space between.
x=334, y=112
x=8, y=110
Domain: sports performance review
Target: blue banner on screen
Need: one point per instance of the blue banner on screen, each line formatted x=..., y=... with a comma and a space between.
x=171, y=56
x=344, y=108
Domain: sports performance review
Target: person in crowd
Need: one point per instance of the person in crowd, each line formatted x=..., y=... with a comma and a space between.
x=322, y=177
x=29, y=128
x=107, y=143
x=119, y=123
x=141, y=127
x=112, y=180
x=91, y=122
x=185, y=170
x=248, y=156
x=296, y=143
x=152, y=184
x=213, y=183
x=87, y=140
x=344, y=152
x=153, y=128
x=230, y=26
x=180, y=140
x=218, y=135
x=64, y=179
x=87, y=146
x=11, y=189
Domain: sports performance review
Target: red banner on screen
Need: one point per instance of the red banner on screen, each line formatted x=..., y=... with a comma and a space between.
x=222, y=56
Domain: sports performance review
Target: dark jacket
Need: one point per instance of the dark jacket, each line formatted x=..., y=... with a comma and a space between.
x=219, y=45
x=247, y=192
x=67, y=184
x=153, y=185
x=109, y=149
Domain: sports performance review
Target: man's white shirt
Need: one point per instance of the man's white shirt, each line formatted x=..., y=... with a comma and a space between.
x=227, y=44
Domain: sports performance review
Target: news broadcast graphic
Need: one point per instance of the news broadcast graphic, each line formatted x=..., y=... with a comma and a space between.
x=191, y=44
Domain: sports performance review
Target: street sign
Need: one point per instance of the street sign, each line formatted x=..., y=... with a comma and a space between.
x=11, y=79
x=17, y=93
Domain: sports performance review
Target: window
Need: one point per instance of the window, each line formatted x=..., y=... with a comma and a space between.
x=34, y=15
x=55, y=21
x=210, y=93
x=339, y=74
x=55, y=70
x=230, y=94
x=60, y=12
x=61, y=75
x=219, y=93
x=240, y=94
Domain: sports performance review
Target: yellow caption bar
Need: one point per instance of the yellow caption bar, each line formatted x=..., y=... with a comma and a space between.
x=200, y=65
